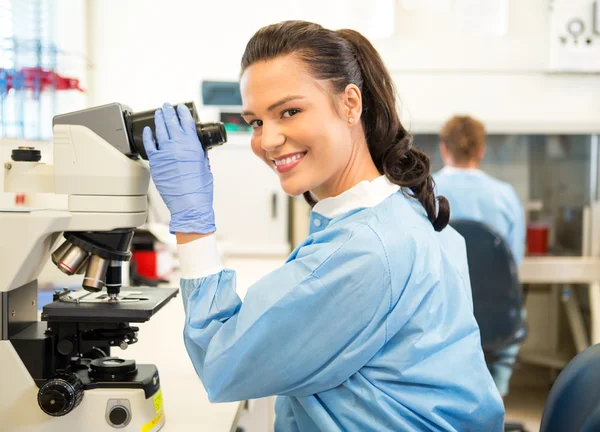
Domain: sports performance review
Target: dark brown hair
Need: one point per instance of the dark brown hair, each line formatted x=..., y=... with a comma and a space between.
x=346, y=57
x=464, y=137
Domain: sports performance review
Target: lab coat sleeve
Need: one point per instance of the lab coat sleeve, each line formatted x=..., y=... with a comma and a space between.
x=302, y=329
x=516, y=236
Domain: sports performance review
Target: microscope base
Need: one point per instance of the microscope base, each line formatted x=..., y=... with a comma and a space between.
x=20, y=412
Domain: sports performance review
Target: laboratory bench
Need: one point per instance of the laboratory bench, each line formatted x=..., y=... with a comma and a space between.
x=550, y=281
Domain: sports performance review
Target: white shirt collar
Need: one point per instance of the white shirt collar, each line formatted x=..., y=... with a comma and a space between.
x=364, y=194
x=451, y=169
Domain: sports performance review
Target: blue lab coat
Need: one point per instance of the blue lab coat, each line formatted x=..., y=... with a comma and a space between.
x=368, y=326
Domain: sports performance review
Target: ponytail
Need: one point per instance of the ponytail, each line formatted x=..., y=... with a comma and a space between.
x=389, y=143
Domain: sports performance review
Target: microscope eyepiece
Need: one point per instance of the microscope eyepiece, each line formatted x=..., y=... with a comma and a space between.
x=210, y=134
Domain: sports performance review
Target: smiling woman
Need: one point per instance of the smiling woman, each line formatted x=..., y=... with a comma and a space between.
x=338, y=86
x=369, y=324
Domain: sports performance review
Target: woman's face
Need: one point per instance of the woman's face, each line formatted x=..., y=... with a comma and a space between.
x=300, y=129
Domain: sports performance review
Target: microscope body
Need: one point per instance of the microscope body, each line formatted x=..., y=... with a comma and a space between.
x=58, y=373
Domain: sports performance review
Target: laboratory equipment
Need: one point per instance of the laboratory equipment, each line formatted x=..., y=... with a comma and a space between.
x=59, y=373
x=537, y=239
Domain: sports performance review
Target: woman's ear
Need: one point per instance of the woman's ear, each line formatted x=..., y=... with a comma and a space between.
x=352, y=104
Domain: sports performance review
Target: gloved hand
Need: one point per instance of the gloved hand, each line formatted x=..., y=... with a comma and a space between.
x=181, y=171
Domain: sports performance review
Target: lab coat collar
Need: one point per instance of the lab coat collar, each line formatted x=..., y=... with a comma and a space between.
x=364, y=194
x=450, y=170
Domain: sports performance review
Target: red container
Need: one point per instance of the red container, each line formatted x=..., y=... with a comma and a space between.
x=145, y=261
x=537, y=239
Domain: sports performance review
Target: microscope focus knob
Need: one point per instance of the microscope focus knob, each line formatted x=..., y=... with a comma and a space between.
x=60, y=395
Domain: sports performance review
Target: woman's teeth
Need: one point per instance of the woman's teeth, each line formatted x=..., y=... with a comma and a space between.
x=289, y=159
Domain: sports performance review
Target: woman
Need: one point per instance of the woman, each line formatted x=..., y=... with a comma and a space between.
x=369, y=324
x=475, y=195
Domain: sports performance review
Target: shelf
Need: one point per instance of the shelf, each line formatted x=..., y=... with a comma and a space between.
x=549, y=270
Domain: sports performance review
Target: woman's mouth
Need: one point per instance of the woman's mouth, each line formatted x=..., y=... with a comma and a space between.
x=288, y=162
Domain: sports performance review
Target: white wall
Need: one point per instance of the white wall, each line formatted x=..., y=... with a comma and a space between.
x=70, y=32
x=144, y=52
x=440, y=71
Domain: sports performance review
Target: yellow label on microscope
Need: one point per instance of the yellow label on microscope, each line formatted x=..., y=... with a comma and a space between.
x=149, y=427
x=158, y=401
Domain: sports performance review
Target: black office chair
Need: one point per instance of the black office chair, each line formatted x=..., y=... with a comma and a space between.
x=497, y=293
x=574, y=402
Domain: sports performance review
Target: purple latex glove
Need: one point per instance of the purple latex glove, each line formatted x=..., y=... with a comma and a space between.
x=181, y=171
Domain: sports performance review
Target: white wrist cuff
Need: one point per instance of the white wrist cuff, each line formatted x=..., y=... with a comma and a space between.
x=199, y=258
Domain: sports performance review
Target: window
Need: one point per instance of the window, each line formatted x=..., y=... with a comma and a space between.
x=28, y=65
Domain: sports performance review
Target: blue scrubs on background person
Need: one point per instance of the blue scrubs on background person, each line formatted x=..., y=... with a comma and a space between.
x=475, y=195
x=369, y=324
x=365, y=327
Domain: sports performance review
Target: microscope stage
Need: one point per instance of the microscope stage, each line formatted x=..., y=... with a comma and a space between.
x=135, y=304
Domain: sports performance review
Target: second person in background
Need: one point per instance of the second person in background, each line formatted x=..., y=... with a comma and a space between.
x=475, y=195
x=369, y=324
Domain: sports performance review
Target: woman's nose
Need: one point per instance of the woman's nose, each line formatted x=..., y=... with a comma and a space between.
x=271, y=138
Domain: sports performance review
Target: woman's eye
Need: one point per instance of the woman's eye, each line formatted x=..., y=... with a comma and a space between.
x=256, y=123
x=290, y=112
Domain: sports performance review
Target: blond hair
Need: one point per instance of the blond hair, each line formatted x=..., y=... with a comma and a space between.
x=464, y=137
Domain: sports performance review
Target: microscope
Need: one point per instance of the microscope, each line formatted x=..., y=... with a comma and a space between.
x=59, y=374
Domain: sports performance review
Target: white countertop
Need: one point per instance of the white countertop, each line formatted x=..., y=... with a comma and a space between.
x=186, y=403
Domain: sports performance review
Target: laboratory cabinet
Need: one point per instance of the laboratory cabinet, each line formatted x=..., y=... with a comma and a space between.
x=251, y=209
